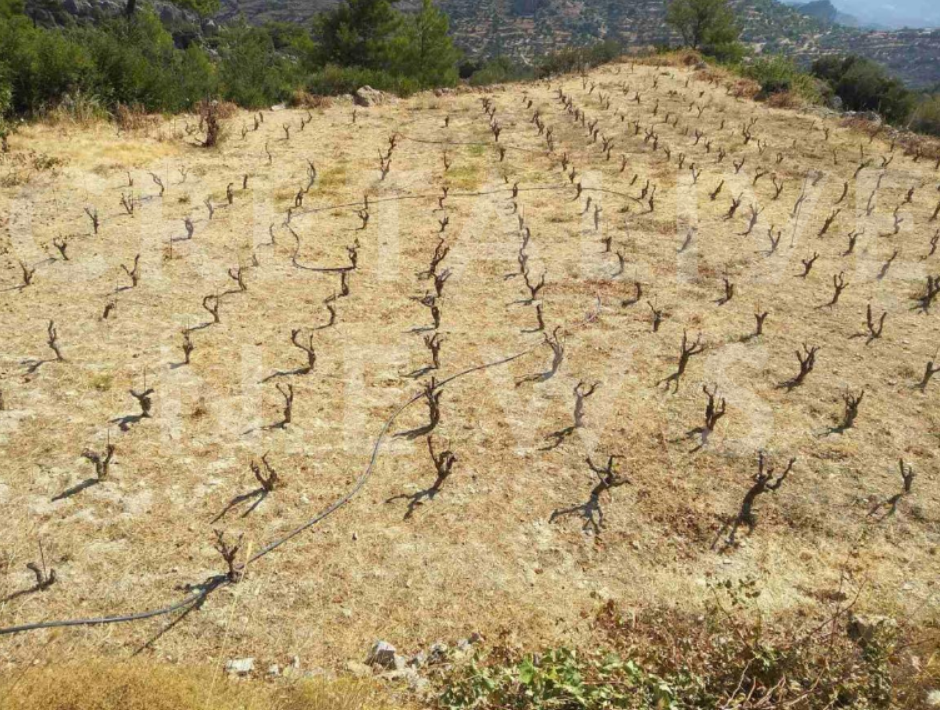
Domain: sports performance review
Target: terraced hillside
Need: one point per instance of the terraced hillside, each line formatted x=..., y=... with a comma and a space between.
x=525, y=29
x=462, y=363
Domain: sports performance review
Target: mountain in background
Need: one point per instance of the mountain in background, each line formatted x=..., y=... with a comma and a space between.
x=826, y=12
x=875, y=14
x=525, y=29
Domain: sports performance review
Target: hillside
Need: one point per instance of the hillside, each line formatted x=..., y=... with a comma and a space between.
x=524, y=29
x=667, y=212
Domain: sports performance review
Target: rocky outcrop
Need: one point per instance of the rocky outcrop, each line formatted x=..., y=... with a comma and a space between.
x=69, y=12
x=367, y=96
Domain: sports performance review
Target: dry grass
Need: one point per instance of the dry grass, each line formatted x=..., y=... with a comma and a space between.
x=144, y=685
x=482, y=555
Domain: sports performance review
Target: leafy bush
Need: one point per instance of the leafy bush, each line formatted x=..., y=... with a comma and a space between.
x=333, y=80
x=251, y=72
x=864, y=85
x=777, y=75
x=728, y=657
x=120, y=62
x=726, y=52
x=499, y=70
x=926, y=117
x=134, y=61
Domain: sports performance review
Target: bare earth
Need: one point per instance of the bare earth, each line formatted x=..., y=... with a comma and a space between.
x=482, y=554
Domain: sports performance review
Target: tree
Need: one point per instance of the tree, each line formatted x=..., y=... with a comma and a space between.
x=251, y=72
x=423, y=50
x=703, y=23
x=864, y=85
x=358, y=33
x=11, y=8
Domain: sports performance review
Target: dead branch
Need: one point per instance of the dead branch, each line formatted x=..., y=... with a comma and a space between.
x=307, y=348
x=440, y=251
x=229, y=554
x=714, y=411
x=728, y=292
x=930, y=293
x=101, y=462
x=735, y=204
x=93, y=216
x=839, y=284
x=269, y=480
x=557, y=346
x=853, y=238
x=760, y=318
x=53, y=341
x=808, y=264
x=433, y=344
x=591, y=511
x=43, y=580
x=144, y=400
x=211, y=303
x=158, y=182
x=764, y=482
x=807, y=361
x=287, y=392
x=133, y=274
x=929, y=372
x=28, y=274
x=852, y=403
x=688, y=351
x=237, y=275
x=874, y=332
x=188, y=347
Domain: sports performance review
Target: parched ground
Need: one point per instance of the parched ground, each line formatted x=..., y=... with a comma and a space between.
x=494, y=551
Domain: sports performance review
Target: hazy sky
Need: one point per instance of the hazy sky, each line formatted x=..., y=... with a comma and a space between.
x=891, y=12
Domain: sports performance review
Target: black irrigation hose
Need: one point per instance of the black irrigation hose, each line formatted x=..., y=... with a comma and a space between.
x=359, y=203
x=270, y=547
x=483, y=143
x=186, y=603
x=219, y=581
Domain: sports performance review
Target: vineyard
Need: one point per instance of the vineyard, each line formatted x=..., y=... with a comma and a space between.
x=467, y=363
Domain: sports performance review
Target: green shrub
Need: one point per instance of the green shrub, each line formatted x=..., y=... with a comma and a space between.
x=864, y=85
x=333, y=80
x=499, y=70
x=926, y=117
x=251, y=72
x=726, y=52
x=578, y=58
x=777, y=74
x=728, y=657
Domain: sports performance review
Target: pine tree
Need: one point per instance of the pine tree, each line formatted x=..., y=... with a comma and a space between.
x=358, y=33
x=423, y=50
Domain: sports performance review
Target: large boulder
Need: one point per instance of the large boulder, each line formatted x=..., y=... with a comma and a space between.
x=384, y=655
x=240, y=666
x=367, y=96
